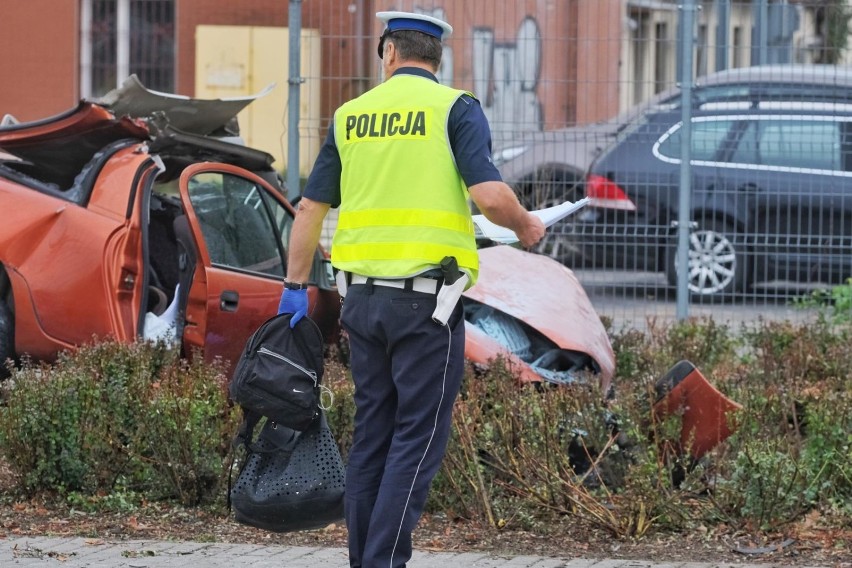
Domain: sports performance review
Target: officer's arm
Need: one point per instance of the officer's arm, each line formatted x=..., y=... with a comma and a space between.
x=498, y=203
x=304, y=238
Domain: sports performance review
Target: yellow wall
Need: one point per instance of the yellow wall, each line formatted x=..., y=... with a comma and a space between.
x=235, y=61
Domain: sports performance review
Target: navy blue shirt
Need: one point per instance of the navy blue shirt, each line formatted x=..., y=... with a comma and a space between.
x=467, y=130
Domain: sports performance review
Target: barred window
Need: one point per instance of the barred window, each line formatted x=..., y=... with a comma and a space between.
x=124, y=37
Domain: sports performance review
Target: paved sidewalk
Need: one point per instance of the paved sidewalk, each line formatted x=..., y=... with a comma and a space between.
x=44, y=552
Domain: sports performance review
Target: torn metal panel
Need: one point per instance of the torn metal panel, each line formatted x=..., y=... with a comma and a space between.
x=707, y=415
x=535, y=308
x=56, y=150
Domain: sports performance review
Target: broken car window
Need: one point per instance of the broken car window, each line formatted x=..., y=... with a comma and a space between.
x=236, y=218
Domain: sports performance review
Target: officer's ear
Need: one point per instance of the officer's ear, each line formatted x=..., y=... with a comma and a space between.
x=389, y=52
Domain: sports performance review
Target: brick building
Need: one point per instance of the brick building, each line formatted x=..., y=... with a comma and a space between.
x=534, y=64
x=59, y=51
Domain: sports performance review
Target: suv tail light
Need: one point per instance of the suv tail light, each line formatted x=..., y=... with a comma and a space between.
x=606, y=194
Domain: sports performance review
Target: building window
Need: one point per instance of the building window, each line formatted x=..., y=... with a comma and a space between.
x=125, y=37
x=661, y=57
x=701, y=52
x=640, y=49
x=738, y=48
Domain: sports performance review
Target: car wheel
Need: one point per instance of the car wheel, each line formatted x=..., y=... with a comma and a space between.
x=7, y=337
x=717, y=265
x=550, y=188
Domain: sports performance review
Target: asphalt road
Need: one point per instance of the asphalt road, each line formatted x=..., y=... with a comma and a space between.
x=633, y=299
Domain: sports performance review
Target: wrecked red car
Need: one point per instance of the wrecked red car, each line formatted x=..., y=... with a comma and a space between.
x=135, y=207
x=142, y=215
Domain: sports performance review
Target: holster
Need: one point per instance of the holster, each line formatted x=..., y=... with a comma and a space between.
x=341, y=278
x=452, y=286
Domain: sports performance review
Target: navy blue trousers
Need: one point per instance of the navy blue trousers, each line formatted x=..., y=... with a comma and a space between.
x=407, y=372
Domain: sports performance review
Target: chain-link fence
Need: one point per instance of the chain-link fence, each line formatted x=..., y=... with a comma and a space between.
x=741, y=173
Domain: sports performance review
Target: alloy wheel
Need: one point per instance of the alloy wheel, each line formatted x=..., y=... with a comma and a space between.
x=712, y=263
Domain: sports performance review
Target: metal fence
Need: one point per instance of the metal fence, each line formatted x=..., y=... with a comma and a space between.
x=120, y=37
x=727, y=152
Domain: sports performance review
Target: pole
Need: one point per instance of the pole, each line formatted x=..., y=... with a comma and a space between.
x=86, y=49
x=122, y=41
x=687, y=38
x=294, y=82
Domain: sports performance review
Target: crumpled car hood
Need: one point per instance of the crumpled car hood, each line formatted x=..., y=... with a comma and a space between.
x=205, y=117
x=547, y=296
x=54, y=151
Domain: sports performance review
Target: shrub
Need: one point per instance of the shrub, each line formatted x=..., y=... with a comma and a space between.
x=518, y=450
x=513, y=457
x=834, y=304
x=70, y=426
x=340, y=410
x=188, y=432
x=113, y=416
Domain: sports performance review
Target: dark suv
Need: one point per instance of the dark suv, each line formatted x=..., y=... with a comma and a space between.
x=771, y=189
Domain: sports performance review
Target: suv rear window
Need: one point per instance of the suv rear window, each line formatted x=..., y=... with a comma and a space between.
x=813, y=144
x=707, y=138
x=818, y=143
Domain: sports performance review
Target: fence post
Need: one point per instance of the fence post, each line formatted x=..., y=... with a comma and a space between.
x=122, y=41
x=293, y=103
x=686, y=40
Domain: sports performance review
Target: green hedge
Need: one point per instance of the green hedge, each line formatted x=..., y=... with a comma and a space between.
x=113, y=419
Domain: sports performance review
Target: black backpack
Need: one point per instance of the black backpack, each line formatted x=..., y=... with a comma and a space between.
x=292, y=476
x=279, y=372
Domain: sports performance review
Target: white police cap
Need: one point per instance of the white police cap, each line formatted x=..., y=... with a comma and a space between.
x=396, y=21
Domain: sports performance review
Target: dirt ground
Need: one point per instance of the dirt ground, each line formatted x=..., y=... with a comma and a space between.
x=805, y=544
x=802, y=546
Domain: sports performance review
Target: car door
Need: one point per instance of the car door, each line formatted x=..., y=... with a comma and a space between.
x=63, y=271
x=839, y=248
x=711, y=137
x=240, y=225
x=789, y=169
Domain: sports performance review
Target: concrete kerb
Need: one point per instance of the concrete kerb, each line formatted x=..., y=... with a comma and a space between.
x=44, y=552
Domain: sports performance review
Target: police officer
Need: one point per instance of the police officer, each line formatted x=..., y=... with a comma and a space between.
x=400, y=162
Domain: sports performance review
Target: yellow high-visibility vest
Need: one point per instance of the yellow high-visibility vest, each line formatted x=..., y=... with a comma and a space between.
x=404, y=206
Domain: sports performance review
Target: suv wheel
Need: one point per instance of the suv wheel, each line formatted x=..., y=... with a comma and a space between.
x=717, y=268
x=7, y=337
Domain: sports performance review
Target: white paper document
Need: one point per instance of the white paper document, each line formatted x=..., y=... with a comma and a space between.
x=485, y=229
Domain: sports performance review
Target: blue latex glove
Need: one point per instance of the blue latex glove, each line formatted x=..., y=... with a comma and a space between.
x=294, y=302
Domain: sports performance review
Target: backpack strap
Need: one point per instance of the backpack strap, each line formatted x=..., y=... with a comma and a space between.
x=306, y=348
x=243, y=438
x=246, y=432
x=324, y=393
